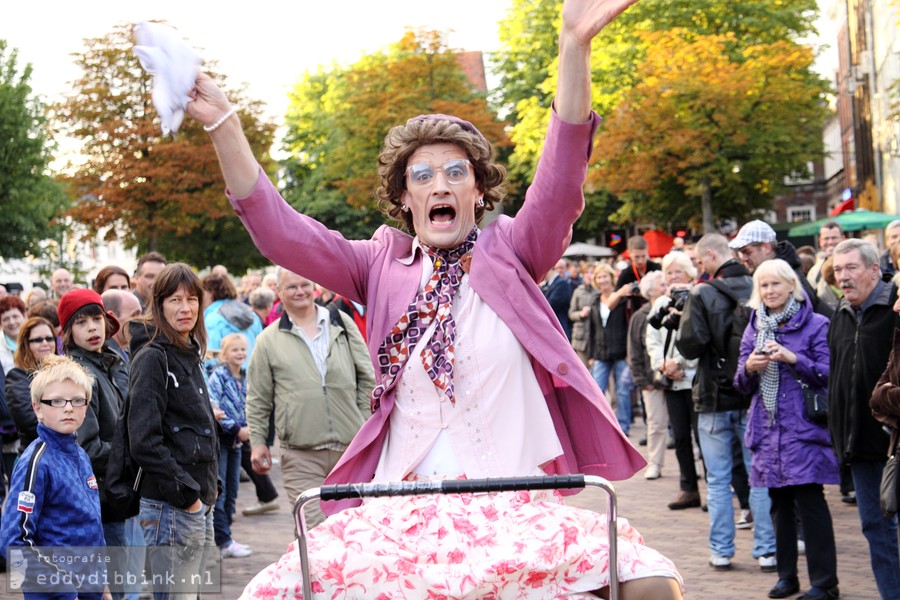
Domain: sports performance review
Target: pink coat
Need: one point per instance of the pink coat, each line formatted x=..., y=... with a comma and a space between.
x=511, y=255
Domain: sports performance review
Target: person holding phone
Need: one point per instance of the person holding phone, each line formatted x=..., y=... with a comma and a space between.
x=784, y=348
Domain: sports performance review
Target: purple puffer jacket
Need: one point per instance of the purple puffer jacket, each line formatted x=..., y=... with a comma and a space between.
x=792, y=450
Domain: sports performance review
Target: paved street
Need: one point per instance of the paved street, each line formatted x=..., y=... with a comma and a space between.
x=682, y=536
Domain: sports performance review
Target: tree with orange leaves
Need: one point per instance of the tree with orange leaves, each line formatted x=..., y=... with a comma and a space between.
x=337, y=120
x=156, y=193
x=711, y=122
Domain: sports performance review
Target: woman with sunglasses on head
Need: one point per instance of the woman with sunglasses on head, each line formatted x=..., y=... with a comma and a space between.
x=36, y=342
x=475, y=375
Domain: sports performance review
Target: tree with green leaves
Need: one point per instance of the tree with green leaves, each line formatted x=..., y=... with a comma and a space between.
x=157, y=193
x=337, y=120
x=616, y=59
x=711, y=123
x=29, y=197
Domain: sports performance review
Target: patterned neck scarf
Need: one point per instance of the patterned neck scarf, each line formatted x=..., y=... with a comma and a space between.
x=432, y=303
x=767, y=323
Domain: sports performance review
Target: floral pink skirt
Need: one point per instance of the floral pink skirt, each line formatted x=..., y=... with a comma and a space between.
x=506, y=545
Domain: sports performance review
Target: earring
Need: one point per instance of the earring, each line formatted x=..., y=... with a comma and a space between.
x=480, y=200
x=404, y=208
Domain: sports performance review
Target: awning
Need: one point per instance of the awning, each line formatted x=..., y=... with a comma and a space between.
x=845, y=206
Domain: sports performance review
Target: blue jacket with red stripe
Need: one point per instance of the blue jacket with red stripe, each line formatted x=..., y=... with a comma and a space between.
x=53, y=501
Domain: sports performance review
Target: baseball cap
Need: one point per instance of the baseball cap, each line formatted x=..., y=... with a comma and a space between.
x=753, y=232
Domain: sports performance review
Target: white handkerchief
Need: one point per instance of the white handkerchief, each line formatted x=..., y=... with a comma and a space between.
x=174, y=66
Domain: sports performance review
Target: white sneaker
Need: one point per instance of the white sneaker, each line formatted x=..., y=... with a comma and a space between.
x=767, y=563
x=652, y=471
x=746, y=520
x=260, y=508
x=235, y=550
x=719, y=563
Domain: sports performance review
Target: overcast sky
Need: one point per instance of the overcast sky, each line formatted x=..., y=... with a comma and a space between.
x=266, y=43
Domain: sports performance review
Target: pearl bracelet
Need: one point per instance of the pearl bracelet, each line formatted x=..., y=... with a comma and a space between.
x=222, y=119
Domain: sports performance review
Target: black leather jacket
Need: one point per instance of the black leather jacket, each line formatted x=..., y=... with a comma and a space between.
x=705, y=324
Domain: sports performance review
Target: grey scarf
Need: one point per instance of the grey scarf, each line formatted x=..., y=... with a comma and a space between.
x=767, y=324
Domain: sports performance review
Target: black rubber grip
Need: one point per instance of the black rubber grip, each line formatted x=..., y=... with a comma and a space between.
x=450, y=486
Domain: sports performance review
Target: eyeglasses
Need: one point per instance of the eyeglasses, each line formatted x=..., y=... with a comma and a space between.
x=423, y=174
x=61, y=402
x=39, y=340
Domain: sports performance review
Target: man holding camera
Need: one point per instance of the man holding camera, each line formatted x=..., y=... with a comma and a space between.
x=639, y=264
x=630, y=277
x=706, y=333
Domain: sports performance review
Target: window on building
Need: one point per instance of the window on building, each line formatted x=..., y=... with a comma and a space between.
x=801, y=214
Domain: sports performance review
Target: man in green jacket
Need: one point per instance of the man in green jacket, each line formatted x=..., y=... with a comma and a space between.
x=312, y=369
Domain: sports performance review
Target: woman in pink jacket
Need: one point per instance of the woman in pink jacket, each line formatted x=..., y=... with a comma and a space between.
x=475, y=376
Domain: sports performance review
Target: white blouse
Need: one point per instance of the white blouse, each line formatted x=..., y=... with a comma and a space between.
x=500, y=425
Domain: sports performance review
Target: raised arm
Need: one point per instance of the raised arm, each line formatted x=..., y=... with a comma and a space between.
x=582, y=20
x=211, y=108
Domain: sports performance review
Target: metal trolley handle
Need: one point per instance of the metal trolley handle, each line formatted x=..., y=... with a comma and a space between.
x=455, y=486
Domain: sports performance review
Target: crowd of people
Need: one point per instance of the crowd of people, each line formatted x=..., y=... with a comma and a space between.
x=734, y=339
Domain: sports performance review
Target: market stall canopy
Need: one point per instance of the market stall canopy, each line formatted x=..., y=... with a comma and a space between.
x=845, y=206
x=582, y=249
x=658, y=244
x=857, y=220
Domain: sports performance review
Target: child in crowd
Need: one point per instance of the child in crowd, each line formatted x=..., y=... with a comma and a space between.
x=228, y=390
x=53, y=502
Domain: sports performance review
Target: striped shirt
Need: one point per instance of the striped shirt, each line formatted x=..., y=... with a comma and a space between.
x=318, y=344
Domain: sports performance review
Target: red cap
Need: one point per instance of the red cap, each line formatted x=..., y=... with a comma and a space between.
x=74, y=300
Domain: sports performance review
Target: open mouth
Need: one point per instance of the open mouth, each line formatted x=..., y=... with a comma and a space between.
x=442, y=215
x=94, y=340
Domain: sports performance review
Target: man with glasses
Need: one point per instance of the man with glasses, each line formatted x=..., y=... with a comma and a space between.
x=860, y=340
x=756, y=243
x=311, y=369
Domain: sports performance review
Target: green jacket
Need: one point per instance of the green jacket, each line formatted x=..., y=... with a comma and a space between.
x=283, y=377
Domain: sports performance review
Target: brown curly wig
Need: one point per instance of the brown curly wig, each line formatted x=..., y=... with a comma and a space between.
x=403, y=140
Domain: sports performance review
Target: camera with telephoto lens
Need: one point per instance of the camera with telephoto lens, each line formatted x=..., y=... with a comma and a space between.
x=665, y=319
x=679, y=299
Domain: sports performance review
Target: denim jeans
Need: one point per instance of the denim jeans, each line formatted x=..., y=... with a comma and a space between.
x=624, y=385
x=880, y=532
x=114, y=535
x=230, y=476
x=179, y=545
x=134, y=539
x=130, y=559
x=717, y=432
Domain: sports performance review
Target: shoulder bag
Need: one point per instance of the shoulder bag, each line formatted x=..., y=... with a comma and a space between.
x=815, y=403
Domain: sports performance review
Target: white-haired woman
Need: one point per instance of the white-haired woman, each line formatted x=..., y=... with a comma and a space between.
x=784, y=348
x=679, y=273
x=653, y=286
